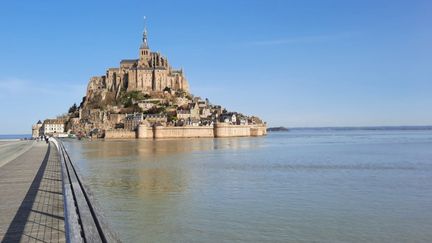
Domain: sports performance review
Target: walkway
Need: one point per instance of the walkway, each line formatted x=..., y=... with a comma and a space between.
x=10, y=150
x=31, y=201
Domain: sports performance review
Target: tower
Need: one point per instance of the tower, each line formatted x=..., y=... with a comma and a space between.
x=144, y=56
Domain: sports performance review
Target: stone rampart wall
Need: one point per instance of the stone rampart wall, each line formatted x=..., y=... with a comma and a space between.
x=218, y=130
x=119, y=133
x=145, y=132
x=258, y=130
x=184, y=132
x=227, y=130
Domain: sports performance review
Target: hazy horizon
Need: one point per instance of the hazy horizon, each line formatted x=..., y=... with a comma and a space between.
x=292, y=63
x=402, y=127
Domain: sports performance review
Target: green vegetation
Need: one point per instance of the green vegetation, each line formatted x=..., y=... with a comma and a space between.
x=73, y=108
x=171, y=117
x=180, y=93
x=131, y=109
x=127, y=98
x=155, y=110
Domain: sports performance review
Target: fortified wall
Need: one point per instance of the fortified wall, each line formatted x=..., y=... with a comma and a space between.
x=258, y=130
x=120, y=134
x=184, y=132
x=227, y=130
x=218, y=130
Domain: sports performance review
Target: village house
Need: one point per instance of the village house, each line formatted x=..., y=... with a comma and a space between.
x=230, y=118
x=207, y=121
x=202, y=103
x=194, y=110
x=242, y=121
x=205, y=112
x=156, y=118
x=217, y=109
x=133, y=120
x=146, y=105
x=183, y=114
x=193, y=122
x=53, y=126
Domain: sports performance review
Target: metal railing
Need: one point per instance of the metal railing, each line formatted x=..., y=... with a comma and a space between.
x=83, y=220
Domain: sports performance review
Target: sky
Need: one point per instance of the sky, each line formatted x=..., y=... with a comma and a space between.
x=298, y=63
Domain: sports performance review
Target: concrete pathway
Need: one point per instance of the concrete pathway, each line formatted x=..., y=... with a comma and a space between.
x=9, y=150
x=31, y=201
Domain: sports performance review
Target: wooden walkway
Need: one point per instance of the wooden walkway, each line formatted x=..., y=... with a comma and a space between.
x=31, y=200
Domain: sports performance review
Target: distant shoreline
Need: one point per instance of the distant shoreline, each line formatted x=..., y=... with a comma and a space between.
x=14, y=137
x=366, y=128
x=348, y=128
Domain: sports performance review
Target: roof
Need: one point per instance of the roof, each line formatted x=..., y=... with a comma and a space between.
x=134, y=116
x=183, y=111
x=129, y=61
x=155, y=116
x=227, y=115
x=145, y=68
x=53, y=121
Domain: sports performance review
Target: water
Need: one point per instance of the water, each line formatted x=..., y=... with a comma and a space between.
x=299, y=186
x=14, y=136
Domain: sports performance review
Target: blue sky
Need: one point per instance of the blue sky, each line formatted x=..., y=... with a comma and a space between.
x=293, y=63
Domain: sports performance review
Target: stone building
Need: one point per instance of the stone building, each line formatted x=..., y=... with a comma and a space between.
x=183, y=114
x=133, y=120
x=230, y=118
x=150, y=72
x=156, y=118
x=119, y=105
x=53, y=126
x=37, y=129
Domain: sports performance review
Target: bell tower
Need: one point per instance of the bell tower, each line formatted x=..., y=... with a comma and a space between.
x=144, y=55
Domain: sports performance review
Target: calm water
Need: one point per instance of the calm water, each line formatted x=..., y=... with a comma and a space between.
x=14, y=136
x=300, y=186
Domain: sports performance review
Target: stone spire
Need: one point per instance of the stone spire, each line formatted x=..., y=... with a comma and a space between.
x=144, y=44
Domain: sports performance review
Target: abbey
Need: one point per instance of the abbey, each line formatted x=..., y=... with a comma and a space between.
x=151, y=72
x=146, y=98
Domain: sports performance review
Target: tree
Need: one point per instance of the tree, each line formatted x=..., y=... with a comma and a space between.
x=73, y=108
x=155, y=110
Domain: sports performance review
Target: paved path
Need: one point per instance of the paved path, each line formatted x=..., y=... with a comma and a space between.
x=10, y=150
x=31, y=201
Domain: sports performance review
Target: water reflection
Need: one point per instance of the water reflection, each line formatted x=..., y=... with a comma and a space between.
x=149, y=165
x=307, y=187
x=145, y=148
x=150, y=179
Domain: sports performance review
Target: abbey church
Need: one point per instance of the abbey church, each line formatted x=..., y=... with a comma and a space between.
x=146, y=98
x=151, y=72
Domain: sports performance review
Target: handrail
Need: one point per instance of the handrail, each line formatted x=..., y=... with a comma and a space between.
x=83, y=219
